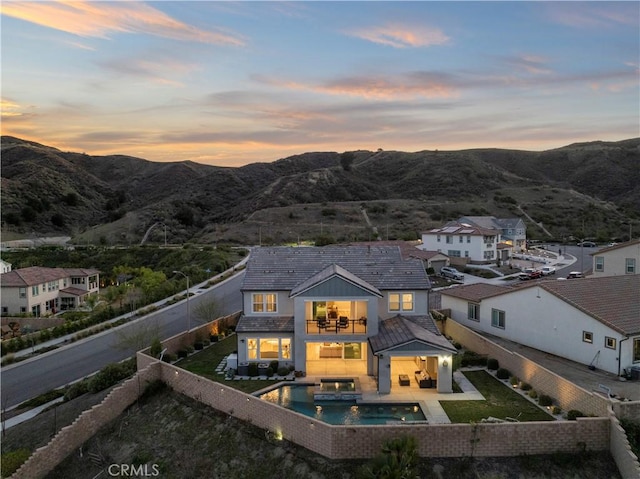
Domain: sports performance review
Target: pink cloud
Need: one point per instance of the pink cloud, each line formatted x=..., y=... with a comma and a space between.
x=400, y=36
x=99, y=19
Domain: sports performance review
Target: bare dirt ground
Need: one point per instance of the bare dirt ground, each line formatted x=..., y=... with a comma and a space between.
x=182, y=439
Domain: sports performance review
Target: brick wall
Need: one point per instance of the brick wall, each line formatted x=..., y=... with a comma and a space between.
x=620, y=449
x=567, y=395
x=627, y=410
x=350, y=442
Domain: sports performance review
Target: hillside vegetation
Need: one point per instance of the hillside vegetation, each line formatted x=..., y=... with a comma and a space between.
x=581, y=190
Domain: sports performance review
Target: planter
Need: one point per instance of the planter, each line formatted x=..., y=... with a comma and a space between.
x=213, y=338
x=262, y=369
x=243, y=369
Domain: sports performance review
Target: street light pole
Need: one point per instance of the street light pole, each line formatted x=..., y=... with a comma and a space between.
x=188, y=311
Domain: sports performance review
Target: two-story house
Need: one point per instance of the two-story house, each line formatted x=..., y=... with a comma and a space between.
x=4, y=266
x=340, y=310
x=593, y=321
x=513, y=231
x=620, y=259
x=463, y=240
x=43, y=291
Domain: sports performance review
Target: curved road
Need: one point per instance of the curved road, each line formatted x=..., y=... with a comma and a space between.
x=32, y=377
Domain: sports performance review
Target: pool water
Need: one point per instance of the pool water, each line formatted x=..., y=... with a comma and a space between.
x=299, y=398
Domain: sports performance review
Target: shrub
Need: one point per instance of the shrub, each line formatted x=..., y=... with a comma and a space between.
x=273, y=365
x=533, y=394
x=291, y=368
x=525, y=386
x=574, y=413
x=12, y=460
x=183, y=353
x=492, y=364
x=253, y=369
x=514, y=380
x=556, y=410
x=471, y=358
x=545, y=400
x=198, y=345
x=283, y=371
x=169, y=358
x=76, y=390
x=156, y=348
x=110, y=375
x=269, y=372
x=503, y=373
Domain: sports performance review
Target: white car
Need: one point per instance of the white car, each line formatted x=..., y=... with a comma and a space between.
x=449, y=272
x=547, y=270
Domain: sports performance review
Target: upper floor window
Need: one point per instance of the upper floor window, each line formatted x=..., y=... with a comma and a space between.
x=461, y=238
x=264, y=303
x=610, y=342
x=449, y=239
x=22, y=292
x=438, y=239
x=77, y=280
x=630, y=265
x=497, y=318
x=468, y=238
x=400, y=301
x=599, y=263
x=587, y=336
x=473, y=311
x=35, y=290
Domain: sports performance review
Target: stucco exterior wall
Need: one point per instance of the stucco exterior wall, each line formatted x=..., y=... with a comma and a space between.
x=615, y=260
x=538, y=319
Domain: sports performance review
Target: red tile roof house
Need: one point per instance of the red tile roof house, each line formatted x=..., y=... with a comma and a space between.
x=593, y=321
x=45, y=291
x=336, y=310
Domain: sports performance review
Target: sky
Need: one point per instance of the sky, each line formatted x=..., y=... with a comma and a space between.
x=232, y=83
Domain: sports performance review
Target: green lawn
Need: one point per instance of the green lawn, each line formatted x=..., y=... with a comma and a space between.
x=501, y=402
x=204, y=363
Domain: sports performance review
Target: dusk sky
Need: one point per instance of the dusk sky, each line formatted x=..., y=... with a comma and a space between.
x=228, y=83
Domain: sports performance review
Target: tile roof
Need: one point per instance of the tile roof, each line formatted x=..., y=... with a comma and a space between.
x=612, y=300
x=617, y=246
x=74, y=291
x=454, y=228
x=283, y=268
x=408, y=249
x=265, y=324
x=399, y=330
x=38, y=274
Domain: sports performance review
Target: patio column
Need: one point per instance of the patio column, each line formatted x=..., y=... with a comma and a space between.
x=445, y=374
x=384, y=373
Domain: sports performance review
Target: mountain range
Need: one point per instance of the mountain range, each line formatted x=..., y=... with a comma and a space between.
x=588, y=190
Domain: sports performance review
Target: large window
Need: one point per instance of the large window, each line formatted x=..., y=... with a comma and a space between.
x=636, y=350
x=400, y=301
x=473, y=311
x=599, y=263
x=268, y=348
x=264, y=303
x=630, y=265
x=497, y=318
x=35, y=290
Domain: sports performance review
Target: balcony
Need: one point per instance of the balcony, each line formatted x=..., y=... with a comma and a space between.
x=342, y=325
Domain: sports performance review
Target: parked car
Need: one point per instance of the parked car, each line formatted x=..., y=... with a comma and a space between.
x=587, y=244
x=575, y=274
x=530, y=273
x=450, y=272
x=547, y=270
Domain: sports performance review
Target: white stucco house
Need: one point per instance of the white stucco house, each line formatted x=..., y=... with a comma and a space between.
x=463, y=240
x=340, y=310
x=4, y=266
x=513, y=231
x=43, y=291
x=620, y=259
x=593, y=321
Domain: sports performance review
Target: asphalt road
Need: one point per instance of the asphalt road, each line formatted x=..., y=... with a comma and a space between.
x=32, y=377
x=583, y=256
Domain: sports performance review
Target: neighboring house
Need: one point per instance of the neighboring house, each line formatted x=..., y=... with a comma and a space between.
x=4, y=266
x=463, y=240
x=43, y=291
x=620, y=259
x=593, y=321
x=513, y=231
x=341, y=308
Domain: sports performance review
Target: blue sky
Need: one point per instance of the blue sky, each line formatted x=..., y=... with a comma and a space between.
x=231, y=83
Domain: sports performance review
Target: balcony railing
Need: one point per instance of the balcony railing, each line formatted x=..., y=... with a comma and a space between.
x=342, y=325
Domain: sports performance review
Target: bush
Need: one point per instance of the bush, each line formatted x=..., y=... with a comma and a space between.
x=76, y=390
x=253, y=369
x=183, y=353
x=492, y=364
x=283, y=371
x=169, y=358
x=110, y=375
x=471, y=358
x=273, y=365
x=545, y=400
x=556, y=410
x=525, y=386
x=503, y=373
x=12, y=460
x=533, y=394
x=514, y=380
x=156, y=348
x=198, y=345
x=269, y=372
x=574, y=413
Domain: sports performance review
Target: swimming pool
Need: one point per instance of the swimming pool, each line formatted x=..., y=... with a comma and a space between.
x=299, y=398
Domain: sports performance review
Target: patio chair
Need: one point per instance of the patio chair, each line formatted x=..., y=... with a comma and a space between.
x=343, y=322
x=322, y=322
